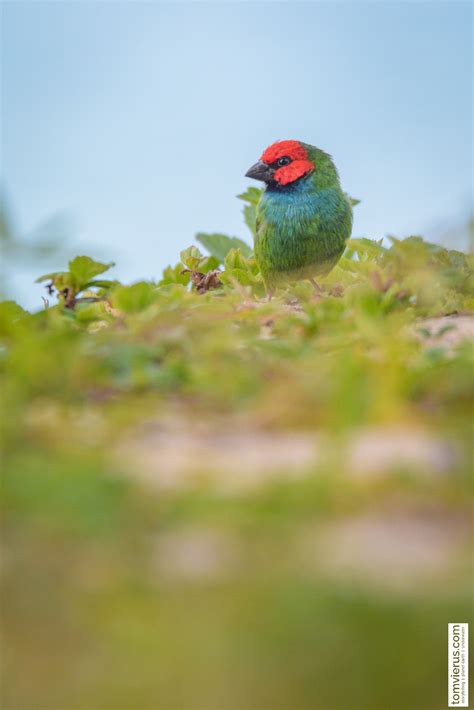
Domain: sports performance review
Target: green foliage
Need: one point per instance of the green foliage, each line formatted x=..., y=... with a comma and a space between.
x=243, y=270
x=83, y=269
x=219, y=245
x=252, y=197
x=174, y=275
x=11, y=312
x=140, y=426
x=366, y=249
x=195, y=261
x=134, y=298
x=80, y=276
x=352, y=200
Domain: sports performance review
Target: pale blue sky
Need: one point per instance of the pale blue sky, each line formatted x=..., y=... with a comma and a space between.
x=140, y=119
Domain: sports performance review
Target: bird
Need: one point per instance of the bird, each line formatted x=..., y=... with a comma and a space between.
x=303, y=217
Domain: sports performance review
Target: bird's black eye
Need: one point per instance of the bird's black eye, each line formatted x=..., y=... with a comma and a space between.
x=283, y=161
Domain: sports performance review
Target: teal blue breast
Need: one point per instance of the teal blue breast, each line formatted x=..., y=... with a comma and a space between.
x=301, y=228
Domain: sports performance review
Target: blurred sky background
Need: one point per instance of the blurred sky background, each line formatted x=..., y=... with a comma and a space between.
x=139, y=120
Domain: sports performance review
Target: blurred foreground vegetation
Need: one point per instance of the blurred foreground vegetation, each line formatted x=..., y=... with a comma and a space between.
x=212, y=501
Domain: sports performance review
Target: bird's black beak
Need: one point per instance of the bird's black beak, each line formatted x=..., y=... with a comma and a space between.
x=260, y=171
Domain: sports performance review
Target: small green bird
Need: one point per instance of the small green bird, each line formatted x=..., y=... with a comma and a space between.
x=303, y=218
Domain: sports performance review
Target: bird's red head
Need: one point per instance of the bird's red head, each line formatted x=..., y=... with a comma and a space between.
x=282, y=162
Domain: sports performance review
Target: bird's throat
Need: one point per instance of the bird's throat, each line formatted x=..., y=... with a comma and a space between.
x=298, y=201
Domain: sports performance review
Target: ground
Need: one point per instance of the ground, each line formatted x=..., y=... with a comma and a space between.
x=215, y=502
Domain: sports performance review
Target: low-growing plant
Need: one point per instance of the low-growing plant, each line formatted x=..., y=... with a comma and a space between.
x=78, y=279
x=160, y=508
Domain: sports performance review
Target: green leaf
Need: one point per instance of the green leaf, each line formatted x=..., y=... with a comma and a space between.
x=252, y=195
x=83, y=269
x=101, y=283
x=63, y=280
x=353, y=200
x=174, y=275
x=219, y=245
x=236, y=260
x=242, y=269
x=250, y=218
x=11, y=314
x=209, y=263
x=367, y=248
x=86, y=312
x=49, y=277
x=191, y=257
x=134, y=298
